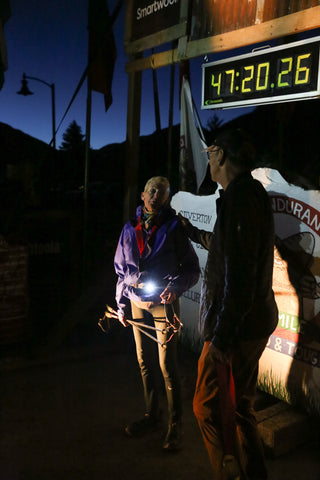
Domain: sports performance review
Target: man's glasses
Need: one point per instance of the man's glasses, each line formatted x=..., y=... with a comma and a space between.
x=210, y=152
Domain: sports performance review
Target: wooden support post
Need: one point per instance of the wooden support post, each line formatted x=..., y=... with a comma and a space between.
x=170, y=123
x=156, y=99
x=132, y=144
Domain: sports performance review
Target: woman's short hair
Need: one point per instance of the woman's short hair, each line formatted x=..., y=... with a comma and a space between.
x=159, y=181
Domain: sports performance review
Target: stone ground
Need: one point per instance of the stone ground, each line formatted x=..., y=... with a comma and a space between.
x=63, y=416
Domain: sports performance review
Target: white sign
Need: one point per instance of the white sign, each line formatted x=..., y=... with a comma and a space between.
x=201, y=212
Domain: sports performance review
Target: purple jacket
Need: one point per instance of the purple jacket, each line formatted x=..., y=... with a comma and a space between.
x=170, y=258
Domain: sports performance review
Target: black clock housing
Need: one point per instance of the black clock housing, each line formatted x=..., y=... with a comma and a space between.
x=276, y=74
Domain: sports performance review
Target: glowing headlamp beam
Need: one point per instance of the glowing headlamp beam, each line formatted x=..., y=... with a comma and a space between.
x=111, y=313
x=149, y=287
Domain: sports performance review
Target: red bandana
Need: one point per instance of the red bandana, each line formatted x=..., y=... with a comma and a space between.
x=139, y=234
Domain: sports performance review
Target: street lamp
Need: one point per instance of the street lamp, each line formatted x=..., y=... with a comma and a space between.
x=25, y=91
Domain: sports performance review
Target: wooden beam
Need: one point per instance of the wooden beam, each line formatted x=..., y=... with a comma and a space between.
x=280, y=27
x=156, y=39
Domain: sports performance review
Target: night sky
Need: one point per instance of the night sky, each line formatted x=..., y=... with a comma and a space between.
x=48, y=39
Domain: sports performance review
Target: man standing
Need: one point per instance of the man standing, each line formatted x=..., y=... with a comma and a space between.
x=237, y=312
x=155, y=263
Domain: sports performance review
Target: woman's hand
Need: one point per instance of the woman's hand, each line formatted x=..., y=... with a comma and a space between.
x=123, y=321
x=168, y=295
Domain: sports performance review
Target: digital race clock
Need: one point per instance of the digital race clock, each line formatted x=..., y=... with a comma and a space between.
x=277, y=74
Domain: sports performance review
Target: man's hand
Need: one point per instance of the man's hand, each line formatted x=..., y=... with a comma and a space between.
x=168, y=296
x=184, y=221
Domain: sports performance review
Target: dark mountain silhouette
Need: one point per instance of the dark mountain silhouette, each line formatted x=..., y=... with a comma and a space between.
x=285, y=135
x=27, y=161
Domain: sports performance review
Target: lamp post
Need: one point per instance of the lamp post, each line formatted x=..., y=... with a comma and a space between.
x=25, y=91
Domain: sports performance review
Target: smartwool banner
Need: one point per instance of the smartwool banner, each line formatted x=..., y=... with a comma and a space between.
x=150, y=16
x=290, y=365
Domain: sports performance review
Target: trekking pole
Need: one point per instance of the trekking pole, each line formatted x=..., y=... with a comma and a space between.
x=143, y=325
x=111, y=313
x=141, y=329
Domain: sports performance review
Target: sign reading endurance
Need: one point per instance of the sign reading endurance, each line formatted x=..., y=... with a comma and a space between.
x=277, y=74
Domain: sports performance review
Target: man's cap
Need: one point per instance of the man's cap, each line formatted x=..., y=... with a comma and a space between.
x=236, y=143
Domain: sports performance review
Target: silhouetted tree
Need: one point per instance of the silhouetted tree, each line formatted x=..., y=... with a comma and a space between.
x=74, y=147
x=73, y=139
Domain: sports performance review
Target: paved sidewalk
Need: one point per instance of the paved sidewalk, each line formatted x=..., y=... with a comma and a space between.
x=63, y=418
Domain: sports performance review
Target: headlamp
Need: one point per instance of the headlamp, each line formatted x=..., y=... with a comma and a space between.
x=149, y=287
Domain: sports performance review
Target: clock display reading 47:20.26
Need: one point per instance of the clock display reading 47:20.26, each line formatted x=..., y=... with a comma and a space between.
x=277, y=74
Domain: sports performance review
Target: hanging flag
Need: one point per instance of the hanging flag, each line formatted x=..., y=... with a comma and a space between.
x=102, y=50
x=5, y=13
x=193, y=163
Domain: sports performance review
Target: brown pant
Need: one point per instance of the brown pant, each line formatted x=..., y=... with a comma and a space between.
x=151, y=355
x=206, y=407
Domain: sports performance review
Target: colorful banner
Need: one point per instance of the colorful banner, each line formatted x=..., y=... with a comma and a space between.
x=290, y=365
x=102, y=50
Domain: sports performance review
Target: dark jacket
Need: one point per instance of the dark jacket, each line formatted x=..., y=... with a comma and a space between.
x=169, y=257
x=237, y=300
